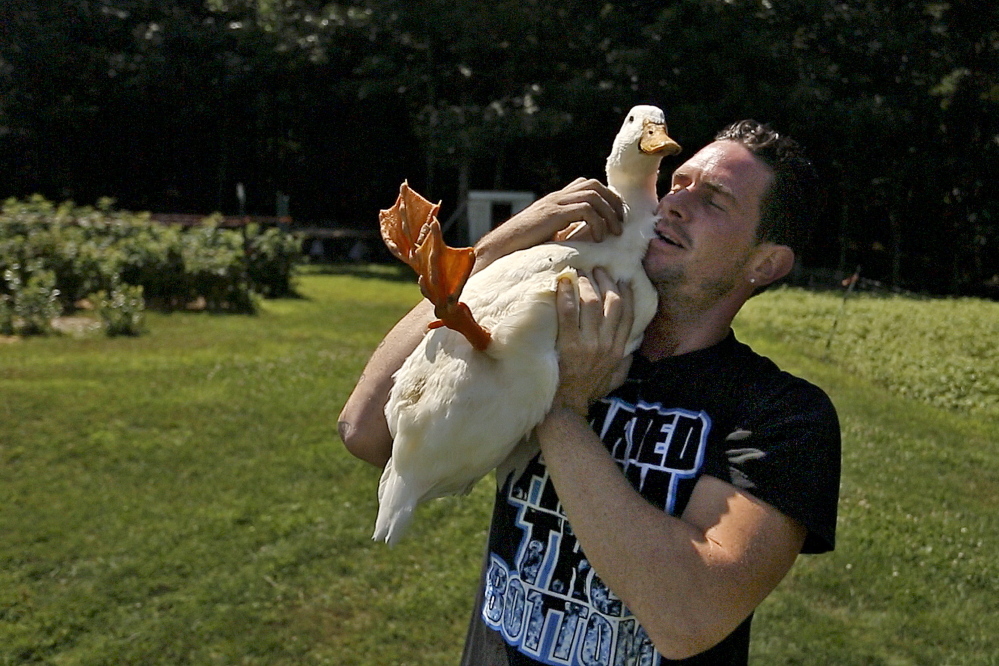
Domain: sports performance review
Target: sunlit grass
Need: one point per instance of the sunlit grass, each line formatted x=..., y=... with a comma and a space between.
x=943, y=352
x=182, y=497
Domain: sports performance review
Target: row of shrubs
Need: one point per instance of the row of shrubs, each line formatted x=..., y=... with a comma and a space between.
x=56, y=257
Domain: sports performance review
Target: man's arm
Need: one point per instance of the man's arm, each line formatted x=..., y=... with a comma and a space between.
x=362, y=425
x=583, y=200
x=690, y=580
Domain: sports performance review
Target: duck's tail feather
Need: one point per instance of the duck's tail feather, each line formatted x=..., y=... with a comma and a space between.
x=396, y=502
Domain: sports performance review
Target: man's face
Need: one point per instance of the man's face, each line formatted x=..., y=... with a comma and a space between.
x=706, y=235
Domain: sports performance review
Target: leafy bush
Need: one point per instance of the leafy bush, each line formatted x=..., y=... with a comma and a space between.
x=33, y=302
x=6, y=316
x=272, y=256
x=75, y=252
x=152, y=257
x=122, y=310
x=215, y=267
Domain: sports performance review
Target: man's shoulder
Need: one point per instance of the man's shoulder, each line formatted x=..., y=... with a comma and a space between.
x=767, y=381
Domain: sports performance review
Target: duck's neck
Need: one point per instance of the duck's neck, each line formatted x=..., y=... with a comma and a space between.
x=639, y=194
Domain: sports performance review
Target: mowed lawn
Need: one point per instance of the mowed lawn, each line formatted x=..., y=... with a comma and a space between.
x=182, y=497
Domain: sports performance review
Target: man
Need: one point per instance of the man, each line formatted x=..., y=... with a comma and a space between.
x=658, y=517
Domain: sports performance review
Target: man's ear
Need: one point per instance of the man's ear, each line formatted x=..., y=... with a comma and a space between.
x=772, y=263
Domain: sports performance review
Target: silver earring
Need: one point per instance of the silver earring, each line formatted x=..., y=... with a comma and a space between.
x=752, y=280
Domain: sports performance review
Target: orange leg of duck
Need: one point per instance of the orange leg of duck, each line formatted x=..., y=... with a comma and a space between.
x=412, y=233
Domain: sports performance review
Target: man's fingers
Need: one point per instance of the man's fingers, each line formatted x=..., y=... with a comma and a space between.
x=604, y=192
x=618, y=313
x=594, y=321
x=567, y=308
x=575, y=231
x=605, y=205
x=623, y=332
x=590, y=201
x=590, y=307
x=610, y=300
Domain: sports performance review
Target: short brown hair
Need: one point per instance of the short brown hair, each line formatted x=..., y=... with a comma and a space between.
x=792, y=198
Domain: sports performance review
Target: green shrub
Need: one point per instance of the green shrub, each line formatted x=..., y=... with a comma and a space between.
x=77, y=251
x=272, y=256
x=6, y=316
x=153, y=258
x=34, y=302
x=73, y=243
x=215, y=267
x=122, y=310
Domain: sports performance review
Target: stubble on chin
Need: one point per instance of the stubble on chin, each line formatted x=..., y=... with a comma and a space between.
x=673, y=284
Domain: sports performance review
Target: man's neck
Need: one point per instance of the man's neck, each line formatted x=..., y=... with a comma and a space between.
x=676, y=330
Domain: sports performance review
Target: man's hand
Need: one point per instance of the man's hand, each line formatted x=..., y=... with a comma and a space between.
x=593, y=331
x=589, y=203
x=586, y=207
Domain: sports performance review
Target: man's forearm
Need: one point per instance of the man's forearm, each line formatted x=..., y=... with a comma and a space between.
x=587, y=201
x=362, y=425
x=625, y=538
x=689, y=580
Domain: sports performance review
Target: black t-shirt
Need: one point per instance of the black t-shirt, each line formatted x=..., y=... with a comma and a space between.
x=724, y=411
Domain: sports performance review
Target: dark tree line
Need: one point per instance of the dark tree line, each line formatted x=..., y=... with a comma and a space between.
x=167, y=104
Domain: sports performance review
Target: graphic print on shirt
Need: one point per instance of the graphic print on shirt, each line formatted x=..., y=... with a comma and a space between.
x=549, y=602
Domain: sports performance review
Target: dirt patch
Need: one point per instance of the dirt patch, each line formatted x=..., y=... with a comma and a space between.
x=76, y=326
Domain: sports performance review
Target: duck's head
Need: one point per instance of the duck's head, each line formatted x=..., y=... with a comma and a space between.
x=641, y=144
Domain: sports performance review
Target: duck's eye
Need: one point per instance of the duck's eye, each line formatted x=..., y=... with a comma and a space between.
x=631, y=119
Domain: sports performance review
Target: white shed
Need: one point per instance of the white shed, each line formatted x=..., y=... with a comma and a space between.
x=482, y=210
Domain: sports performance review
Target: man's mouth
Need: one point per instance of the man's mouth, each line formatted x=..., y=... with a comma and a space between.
x=671, y=236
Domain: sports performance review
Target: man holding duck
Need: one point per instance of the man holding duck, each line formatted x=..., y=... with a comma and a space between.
x=675, y=487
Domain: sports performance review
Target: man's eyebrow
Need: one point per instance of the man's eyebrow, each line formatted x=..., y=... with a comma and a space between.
x=718, y=188
x=714, y=186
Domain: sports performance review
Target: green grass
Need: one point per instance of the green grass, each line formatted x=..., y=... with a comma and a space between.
x=182, y=497
x=943, y=352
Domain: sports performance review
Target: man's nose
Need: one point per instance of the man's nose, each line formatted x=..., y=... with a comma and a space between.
x=672, y=205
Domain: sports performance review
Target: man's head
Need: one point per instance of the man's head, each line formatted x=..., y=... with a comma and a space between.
x=729, y=221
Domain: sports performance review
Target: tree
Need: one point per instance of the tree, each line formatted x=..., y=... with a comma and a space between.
x=167, y=105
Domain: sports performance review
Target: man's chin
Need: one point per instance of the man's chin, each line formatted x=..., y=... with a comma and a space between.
x=664, y=278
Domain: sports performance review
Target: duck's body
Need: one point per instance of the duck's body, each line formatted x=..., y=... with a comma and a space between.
x=455, y=412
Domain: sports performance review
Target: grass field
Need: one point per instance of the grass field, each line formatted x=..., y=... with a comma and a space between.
x=182, y=498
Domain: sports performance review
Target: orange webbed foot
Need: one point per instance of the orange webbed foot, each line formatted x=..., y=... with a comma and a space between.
x=443, y=273
x=405, y=224
x=412, y=233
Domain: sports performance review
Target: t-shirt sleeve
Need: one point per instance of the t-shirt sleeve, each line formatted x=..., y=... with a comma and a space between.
x=788, y=455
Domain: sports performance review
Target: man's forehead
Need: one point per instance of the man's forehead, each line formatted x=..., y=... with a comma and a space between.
x=727, y=166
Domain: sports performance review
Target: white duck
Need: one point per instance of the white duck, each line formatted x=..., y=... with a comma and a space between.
x=470, y=392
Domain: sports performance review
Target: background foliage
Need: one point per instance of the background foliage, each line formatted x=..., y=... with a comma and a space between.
x=54, y=257
x=166, y=105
